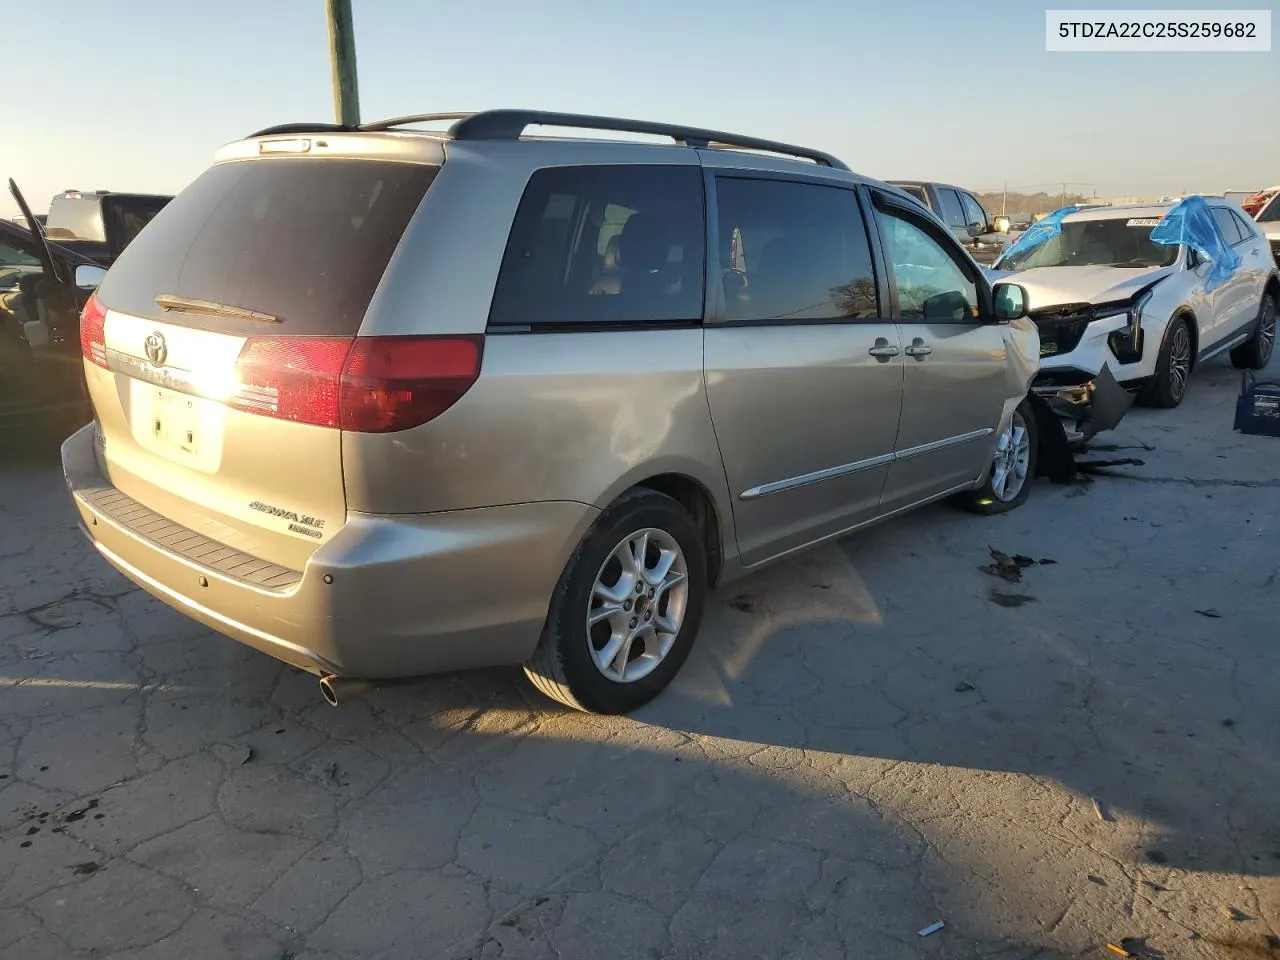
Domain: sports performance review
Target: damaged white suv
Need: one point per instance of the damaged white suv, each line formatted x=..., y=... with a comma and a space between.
x=1109, y=298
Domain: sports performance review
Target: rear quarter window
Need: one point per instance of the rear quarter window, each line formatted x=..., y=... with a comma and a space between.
x=304, y=240
x=605, y=245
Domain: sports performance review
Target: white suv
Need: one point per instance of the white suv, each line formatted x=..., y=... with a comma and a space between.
x=1268, y=219
x=1106, y=296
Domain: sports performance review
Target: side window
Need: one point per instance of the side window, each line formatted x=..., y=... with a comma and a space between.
x=952, y=213
x=974, y=215
x=1227, y=224
x=1247, y=231
x=932, y=284
x=793, y=252
x=603, y=245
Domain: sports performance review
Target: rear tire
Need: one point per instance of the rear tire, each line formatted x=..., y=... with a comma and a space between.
x=1255, y=353
x=1168, y=387
x=668, y=583
x=1008, y=481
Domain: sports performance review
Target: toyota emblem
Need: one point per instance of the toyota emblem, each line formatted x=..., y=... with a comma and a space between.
x=157, y=349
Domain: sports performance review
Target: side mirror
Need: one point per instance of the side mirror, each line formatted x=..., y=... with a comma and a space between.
x=1000, y=225
x=88, y=276
x=1009, y=301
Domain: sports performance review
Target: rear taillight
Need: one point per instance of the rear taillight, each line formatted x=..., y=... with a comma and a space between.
x=364, y=384
x=93, y=334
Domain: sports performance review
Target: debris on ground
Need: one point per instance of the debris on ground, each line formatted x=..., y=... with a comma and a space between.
x=1097, y=466
x=931, y=929
x=233, y=754
x=1115, y=948
x=1101, y=812
x=1152, y=885
x=1009, y=599
x=86, y=868
x=1231, y=913
x=1008, y=568
x=1228, y=722
x=744, y=604
x=1094, y=878
x=964, y=686
x=1045, y=562
x=1211, y=613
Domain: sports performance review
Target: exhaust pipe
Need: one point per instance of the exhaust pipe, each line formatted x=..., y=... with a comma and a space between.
x=338, y=690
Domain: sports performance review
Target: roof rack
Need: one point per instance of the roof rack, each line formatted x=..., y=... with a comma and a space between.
x=511, y=124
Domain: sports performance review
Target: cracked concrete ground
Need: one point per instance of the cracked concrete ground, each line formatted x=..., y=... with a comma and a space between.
x=862, y=743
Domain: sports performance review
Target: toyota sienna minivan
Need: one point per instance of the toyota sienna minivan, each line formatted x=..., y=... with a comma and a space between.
x=382, y=402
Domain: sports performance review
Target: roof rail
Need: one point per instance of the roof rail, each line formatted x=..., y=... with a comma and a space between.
x=284, y=128
x=510, y=125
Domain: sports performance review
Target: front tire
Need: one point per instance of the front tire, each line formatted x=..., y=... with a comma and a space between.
x=1255, y=353
x=1013, y=467
x=625, y=613
x=1173, y=367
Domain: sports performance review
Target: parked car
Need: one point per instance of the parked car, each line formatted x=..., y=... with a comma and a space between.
x=981, y=236
x=1107, y=297
x=1253, y=204
x=41, y=372
x=1268, y=221
x=99, y=224
x=382, y=402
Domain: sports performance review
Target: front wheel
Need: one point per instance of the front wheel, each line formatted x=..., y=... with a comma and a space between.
x=1173, y=367
x=1013, y=466
x=624, y=615
x=1255, y=353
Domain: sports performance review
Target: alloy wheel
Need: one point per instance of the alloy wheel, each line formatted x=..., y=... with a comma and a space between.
x=1267, y=330
x=1011, y=461
x=1179, y=361
x=637, y=605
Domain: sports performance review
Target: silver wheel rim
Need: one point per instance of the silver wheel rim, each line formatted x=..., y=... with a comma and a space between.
x=637, y=605
x=1011, y=461
x=1267, y=331
x=1179, y=361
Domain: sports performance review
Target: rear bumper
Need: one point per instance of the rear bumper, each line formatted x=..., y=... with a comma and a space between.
x=388, y=596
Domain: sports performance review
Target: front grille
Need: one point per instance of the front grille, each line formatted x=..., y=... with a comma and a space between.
x=1062, y=327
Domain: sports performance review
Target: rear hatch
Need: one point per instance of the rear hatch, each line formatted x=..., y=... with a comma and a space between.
x=216, y=345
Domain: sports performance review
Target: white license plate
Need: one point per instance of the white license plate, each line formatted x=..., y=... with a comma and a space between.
x=175, y=421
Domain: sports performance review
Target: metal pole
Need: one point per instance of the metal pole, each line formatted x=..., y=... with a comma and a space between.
x=1004, y=200
x=342, y=53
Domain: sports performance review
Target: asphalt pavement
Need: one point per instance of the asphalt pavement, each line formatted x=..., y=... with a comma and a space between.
x=869, y=739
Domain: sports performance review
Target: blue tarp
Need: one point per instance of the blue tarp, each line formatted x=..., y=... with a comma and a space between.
x=1192, y=222
x=1040, y=232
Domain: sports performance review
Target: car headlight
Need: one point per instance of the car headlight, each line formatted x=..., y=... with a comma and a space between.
x=1126, y=344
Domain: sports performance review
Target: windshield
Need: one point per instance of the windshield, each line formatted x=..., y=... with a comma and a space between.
x=1271, y=212
x=1096, y=243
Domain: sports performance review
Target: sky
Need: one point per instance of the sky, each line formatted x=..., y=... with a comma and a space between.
x=139, y=99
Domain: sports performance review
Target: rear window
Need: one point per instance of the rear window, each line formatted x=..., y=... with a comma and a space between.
x=304, y=240
x=72, y=218
x=605, y=245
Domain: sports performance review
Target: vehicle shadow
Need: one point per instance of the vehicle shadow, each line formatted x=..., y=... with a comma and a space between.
x=1151, y=694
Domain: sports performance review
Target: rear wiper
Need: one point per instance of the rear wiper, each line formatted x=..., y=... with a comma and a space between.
x=169, y=301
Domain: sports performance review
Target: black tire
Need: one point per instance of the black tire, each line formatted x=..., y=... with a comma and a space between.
x=1255, y=353
x=986, y=500
x=1168, y=387
x=562, y=666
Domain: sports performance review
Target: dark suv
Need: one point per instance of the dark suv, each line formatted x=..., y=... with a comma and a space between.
x=960, y=210
x=99, y=224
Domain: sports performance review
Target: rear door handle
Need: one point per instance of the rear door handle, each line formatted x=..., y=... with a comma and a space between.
x=883, y=350
x=919, y=349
